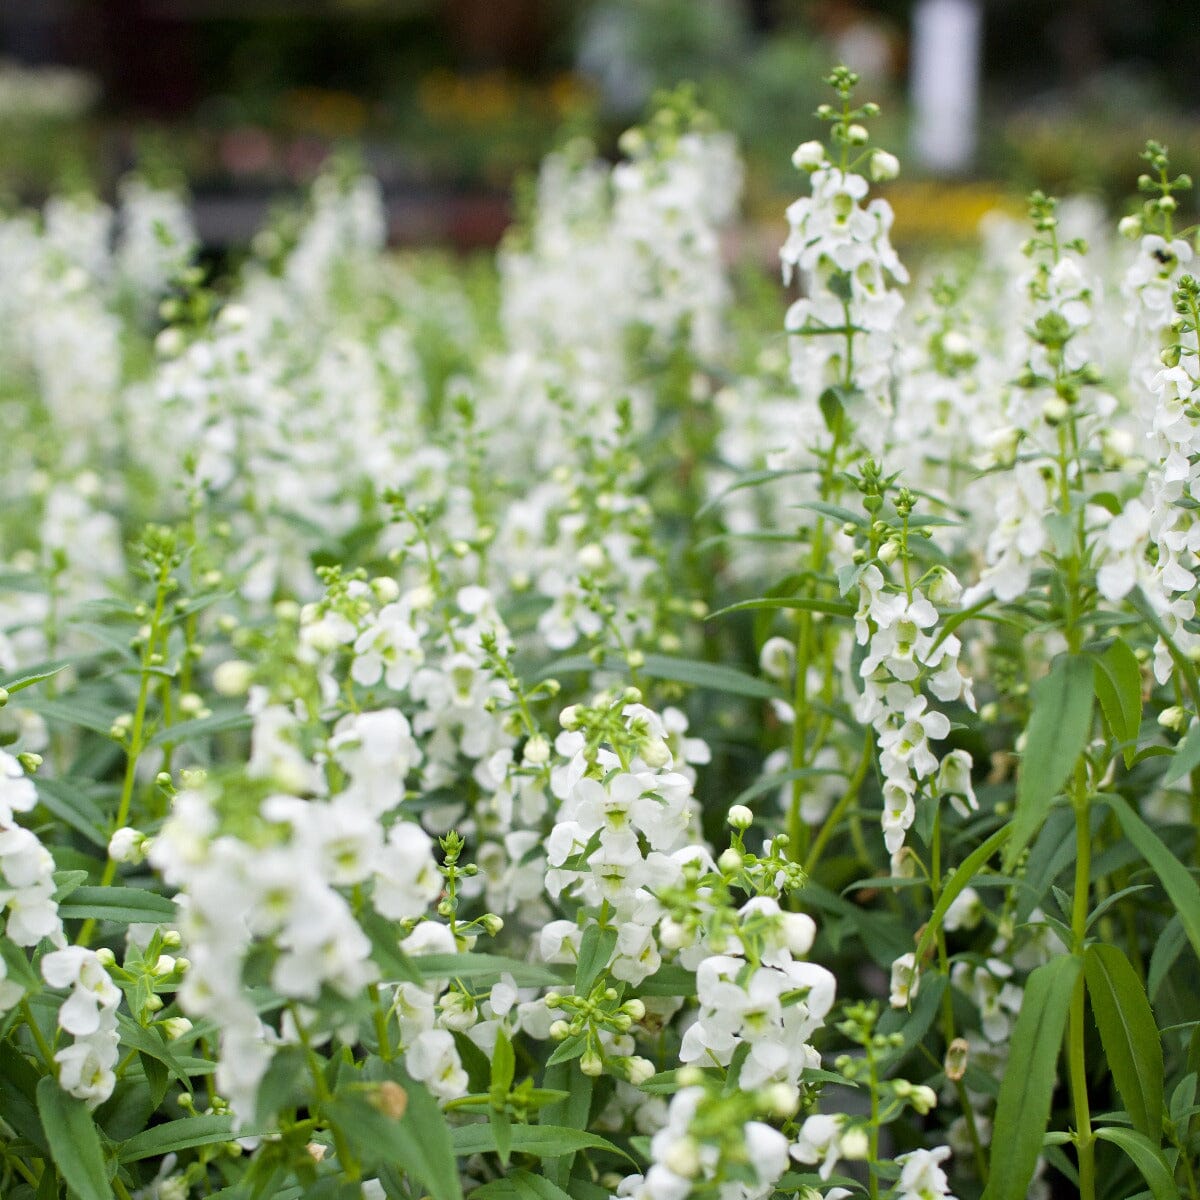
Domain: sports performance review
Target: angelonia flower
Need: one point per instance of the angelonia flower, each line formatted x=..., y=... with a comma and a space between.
x=841, y=250
x=27, y=903
x=903, y=652
x=692, y=1149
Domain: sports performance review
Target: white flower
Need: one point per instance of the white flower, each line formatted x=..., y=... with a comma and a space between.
x=433, y=1059
x=921, y=1178
x=905, y=980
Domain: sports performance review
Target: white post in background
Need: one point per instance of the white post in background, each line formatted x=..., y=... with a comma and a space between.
x=947, y=39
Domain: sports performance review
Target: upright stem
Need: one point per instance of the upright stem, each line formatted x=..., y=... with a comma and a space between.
x=1077, y=1068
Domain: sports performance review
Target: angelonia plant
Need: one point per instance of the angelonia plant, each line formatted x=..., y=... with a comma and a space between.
x=573, y=729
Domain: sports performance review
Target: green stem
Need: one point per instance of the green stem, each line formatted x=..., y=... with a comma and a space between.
x=136, y=735
x=39, y=1040
x=848, y=797
x=1076, y=1062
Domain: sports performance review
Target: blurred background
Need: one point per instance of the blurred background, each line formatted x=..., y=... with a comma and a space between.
x=452, y=102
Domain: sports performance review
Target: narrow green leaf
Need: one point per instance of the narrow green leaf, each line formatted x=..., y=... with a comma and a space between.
x=501, y=1126
x=836, y=608
x=481, y=968
x=121, y=905
x=504, y=1064
x=75, y=711
x=189, y=731
x=17, y=966
x=843, y=516
x=1023, y=1107
x=1174, y=876
x=1054, y=739
x=1118, y=680
x=1144, y=1155
x=1128, y=1034
x=385, y=948
x=18, y=1096
x=1187, y=756
x=572, y=1111
x=749, y=480
x=519, y=1185
x=74, y=1141
x=419, y=1141
x=20, y=683
x=712, y=676
x=173, y=1136
x=547, y=1141
x=72, y=805
x=595, y=953
x=967, y=870
x=1167, y=949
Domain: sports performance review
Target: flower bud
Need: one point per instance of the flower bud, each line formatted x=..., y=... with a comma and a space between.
x=590, y=1063
x=857, y=135
x=127, y=845
x=638, y=1070
x=808, y=156
x=175, y=1027
x=730, y=860
x=739, y=817
x=1173, y=718
x=569, y=717
x=560, y=1030
x=1130, y=227
x=884, y=166
x=233, y=678
x=957, y=1055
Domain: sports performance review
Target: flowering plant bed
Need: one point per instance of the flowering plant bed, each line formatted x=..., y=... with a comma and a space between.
x=558, y=735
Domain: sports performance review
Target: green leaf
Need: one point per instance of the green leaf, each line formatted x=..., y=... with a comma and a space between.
x=1118, y=681
x=669, y=980
x=24, y=681
x=480, y=968
x=76, y=711
x=749, y=480
x=914, y=1025
x=1174, y=876
x=967, y=870
x=595, y=953
x=385, y=948
x=121, y=905
x=1167, y=948
x=713, y=676
x=18, y=1097
x=18, y=967
x=1128, y=1034
x=504, y=1064
x=72, y=805
x=189, y=731
x=519, y=1185
x=173, y=1136
x=1144, y=1155
x=837, y=608
x=572, y=1111
x=418, y=1141
x=1054, y=739
x=74, y=1141
x=1023, y=1107
x=1187, y=756
x=546, y=1141
x=151, y=1042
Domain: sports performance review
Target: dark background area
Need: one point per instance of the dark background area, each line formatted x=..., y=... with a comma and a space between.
x=450, y=101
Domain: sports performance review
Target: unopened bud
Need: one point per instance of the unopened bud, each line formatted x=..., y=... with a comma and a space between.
x=808, y=156
x=739, y=817
x=957, y=1056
